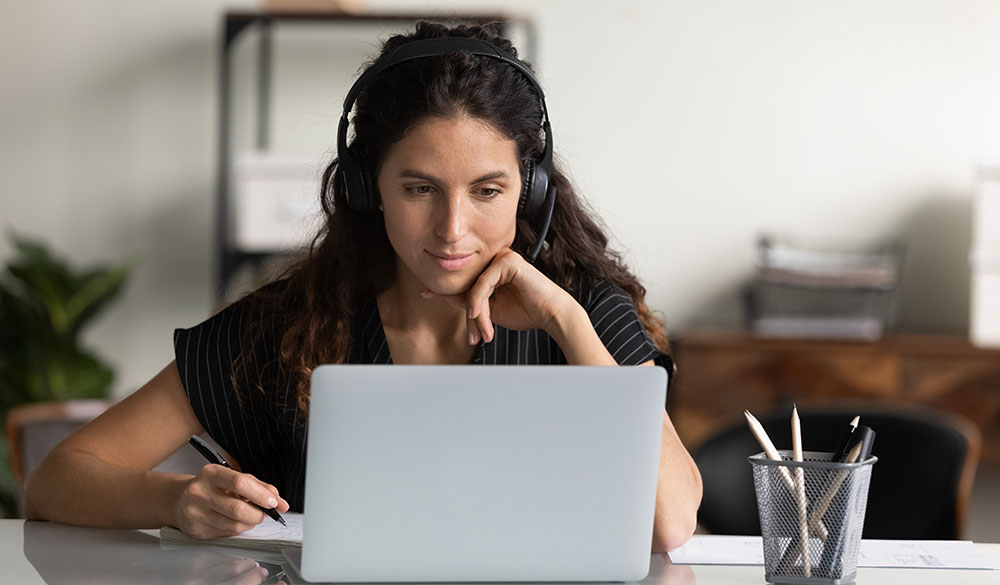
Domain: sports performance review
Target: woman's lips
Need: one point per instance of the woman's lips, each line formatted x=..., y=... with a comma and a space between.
x=451, y=261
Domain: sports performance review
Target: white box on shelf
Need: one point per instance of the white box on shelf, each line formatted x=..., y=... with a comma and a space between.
x=275, y=202
x=984, y=317
x=986, y=207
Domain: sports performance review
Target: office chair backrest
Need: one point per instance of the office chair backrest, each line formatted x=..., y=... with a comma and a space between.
x=34, y=429
x=920, y=485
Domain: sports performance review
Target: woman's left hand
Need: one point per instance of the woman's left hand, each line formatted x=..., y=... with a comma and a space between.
x=513, y=294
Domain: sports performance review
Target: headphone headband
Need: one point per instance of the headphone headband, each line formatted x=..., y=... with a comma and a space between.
x=436, y=48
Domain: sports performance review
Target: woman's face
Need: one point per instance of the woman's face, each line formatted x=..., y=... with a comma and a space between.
x=449, y=191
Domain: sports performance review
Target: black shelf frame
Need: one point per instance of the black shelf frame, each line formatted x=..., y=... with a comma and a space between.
x=229, y=258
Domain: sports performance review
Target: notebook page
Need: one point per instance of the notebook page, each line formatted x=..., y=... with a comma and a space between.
x=268, y=535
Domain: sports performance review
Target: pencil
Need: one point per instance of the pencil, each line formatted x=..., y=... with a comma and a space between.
x=815, y=522
x=765, y=443
x=800, y=492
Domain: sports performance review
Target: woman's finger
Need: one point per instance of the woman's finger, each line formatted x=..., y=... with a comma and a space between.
x=478, y=313
x=500, y=273
x=475, y=336
x=282, y=506
x=495, y=275
x=246, y=487
x=211, y=524
x=484, y=323
x=227, y=524
x=488, y=282
x=238, y=510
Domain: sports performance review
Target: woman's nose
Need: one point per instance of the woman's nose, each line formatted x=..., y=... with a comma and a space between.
x=451, y=221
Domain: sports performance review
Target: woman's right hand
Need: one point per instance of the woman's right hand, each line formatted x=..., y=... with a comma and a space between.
x=217, y=503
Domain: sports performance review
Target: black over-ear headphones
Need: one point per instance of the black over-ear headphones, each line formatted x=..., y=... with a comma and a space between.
x=537, y=194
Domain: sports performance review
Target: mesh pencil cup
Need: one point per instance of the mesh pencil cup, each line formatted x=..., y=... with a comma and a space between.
x=811, y=516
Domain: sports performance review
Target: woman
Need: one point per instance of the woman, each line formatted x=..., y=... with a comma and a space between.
x=430, y=214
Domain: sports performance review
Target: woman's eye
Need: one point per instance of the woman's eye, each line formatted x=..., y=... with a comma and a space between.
x=420, y=189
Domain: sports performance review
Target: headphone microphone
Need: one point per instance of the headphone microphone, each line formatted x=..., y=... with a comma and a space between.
x=538, y=193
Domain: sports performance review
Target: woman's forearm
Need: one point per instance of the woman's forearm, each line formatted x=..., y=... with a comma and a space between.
x=75, y=487
x=678, y=493
x=574, y=333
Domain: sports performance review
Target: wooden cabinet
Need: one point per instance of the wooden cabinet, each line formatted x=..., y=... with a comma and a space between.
x=721, y=373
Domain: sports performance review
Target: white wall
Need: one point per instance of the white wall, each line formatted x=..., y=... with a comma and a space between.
x=691, y=125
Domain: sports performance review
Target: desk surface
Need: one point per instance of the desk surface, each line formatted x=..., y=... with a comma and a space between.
x=34, y=553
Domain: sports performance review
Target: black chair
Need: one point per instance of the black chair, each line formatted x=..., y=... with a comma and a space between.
x=919, y=488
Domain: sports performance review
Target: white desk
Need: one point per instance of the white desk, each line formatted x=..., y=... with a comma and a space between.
x=36, y=553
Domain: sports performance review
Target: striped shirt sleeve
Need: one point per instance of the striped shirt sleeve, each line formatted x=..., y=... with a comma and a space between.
x=617, y=324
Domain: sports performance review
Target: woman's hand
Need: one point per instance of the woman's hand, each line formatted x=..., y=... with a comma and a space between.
x=217, y=502
x=513, y=294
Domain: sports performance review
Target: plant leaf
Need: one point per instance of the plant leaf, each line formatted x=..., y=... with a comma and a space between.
x=94, y=291
x=45, y=278
x=72, y=373
x=43, y=303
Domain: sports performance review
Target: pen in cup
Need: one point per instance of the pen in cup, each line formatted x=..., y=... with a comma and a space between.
x=213, y=457
x=859, y=448
x=841, y=450
x=865, y=437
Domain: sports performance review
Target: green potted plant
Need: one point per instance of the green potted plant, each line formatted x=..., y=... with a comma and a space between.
x=44, y=306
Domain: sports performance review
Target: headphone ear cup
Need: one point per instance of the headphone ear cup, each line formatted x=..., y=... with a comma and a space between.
x=538, y=190
x=348, y=168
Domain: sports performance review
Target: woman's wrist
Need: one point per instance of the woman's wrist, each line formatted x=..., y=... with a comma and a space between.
x=566, y=319
x=572, y=330
x=168, y=488
x=157, y=506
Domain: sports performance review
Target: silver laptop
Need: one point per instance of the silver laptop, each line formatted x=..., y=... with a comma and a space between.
x=473, y=473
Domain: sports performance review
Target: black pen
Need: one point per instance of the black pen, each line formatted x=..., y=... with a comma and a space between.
x=859, y=449
x=866, y=438
x=209, y=453
x=841, y=450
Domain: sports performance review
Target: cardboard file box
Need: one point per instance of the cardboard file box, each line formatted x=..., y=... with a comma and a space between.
x=275, y=202
x=984, y=317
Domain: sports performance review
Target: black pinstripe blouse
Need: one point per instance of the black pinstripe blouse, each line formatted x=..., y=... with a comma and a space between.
x=261, y=431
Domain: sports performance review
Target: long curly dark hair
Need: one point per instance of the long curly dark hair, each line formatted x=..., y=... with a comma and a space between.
x=314, y=302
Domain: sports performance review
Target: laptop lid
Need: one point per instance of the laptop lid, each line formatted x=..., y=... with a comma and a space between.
x=472, y=473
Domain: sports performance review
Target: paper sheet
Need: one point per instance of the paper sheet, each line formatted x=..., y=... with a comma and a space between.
x=748, y=550
x=720, y=550
x=268, y=535
x=943, y=554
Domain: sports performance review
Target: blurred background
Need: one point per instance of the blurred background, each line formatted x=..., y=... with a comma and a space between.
x=692, y=127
